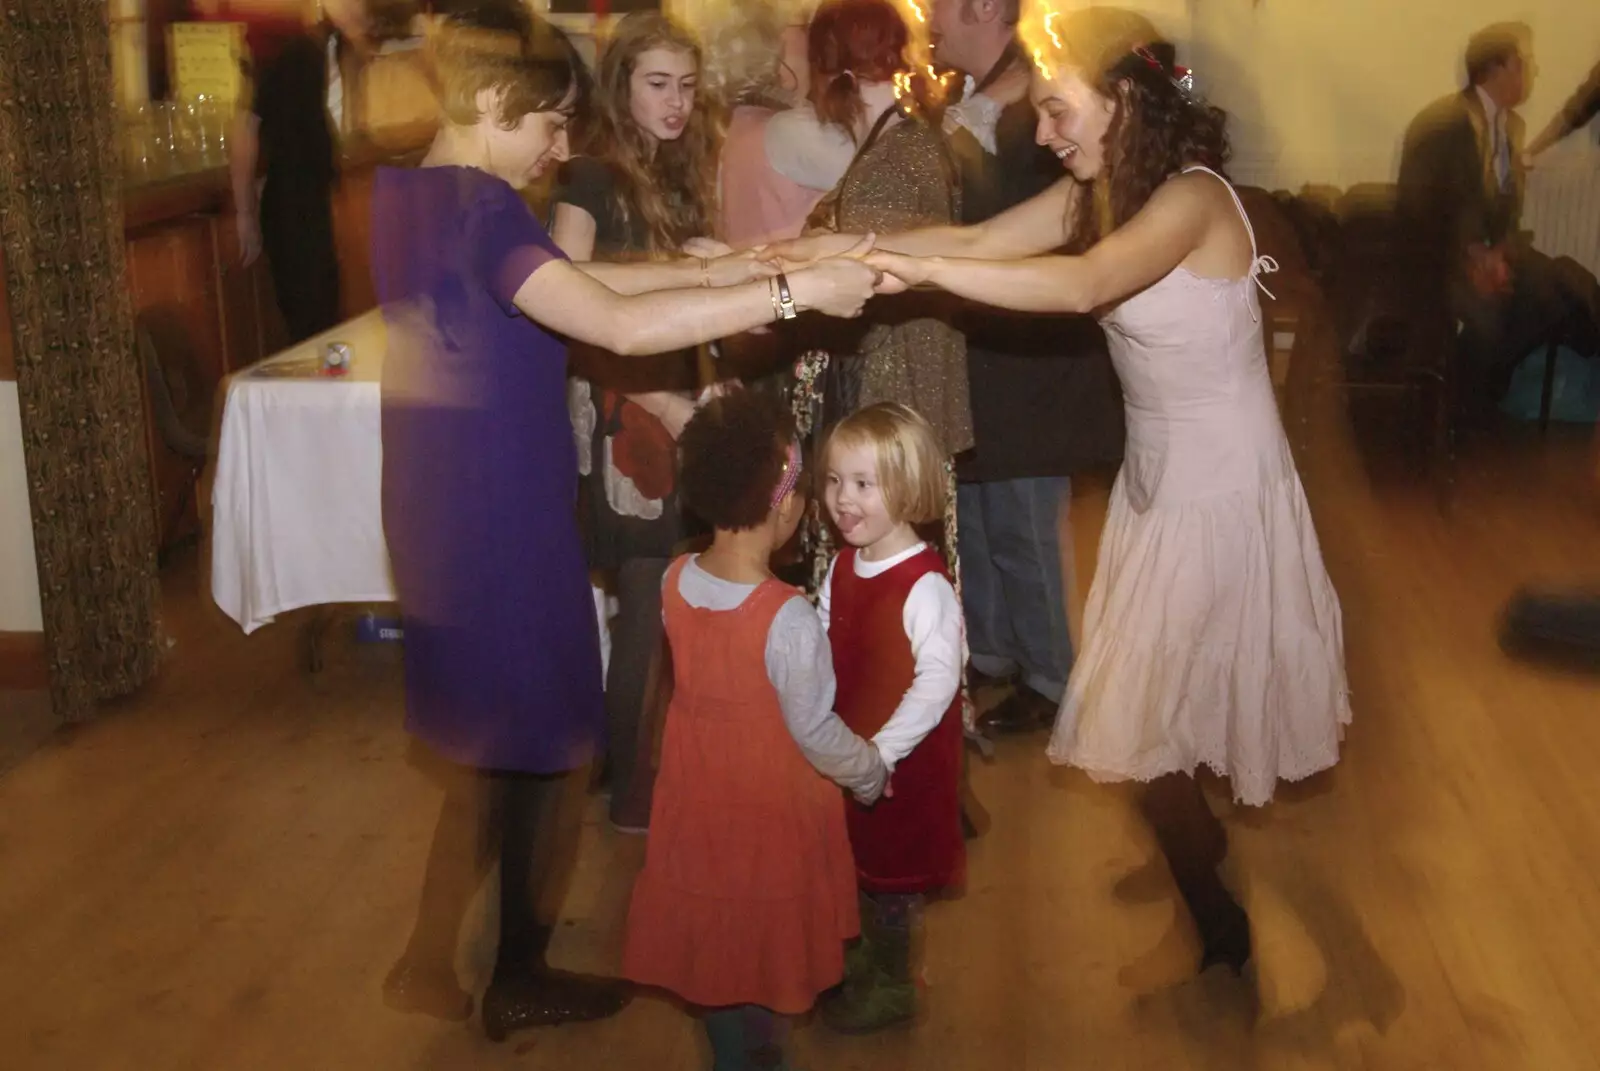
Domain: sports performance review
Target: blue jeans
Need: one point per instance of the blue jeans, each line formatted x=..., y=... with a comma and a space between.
x=1013, y=590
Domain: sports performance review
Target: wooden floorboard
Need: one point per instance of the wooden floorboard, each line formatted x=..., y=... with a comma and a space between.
x=219, y=872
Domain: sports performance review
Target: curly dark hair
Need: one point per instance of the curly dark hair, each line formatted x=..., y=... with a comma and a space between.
x=1156, y=129
x=731, y=457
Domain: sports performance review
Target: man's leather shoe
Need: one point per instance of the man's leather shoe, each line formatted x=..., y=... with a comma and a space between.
x=1024, y=711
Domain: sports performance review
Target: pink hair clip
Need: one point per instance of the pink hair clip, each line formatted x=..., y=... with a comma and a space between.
x=791, y=472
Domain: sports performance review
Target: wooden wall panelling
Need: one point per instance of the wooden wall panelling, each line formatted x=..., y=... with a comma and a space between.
x=239, y=309
x=271, y=331
x=352, y=230
x=8, y=360
x=174, y=283
x=24, y=666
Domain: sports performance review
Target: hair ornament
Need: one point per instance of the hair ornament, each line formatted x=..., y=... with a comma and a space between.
x=792, y=466
x=1182, y=78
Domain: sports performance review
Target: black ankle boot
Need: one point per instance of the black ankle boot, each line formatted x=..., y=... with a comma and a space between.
x=1226, y=938
x=517, y=1000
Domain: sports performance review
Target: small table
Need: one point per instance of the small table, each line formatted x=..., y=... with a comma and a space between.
x=297, y=516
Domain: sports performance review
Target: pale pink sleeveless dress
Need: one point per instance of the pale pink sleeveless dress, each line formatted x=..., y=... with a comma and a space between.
x=1212, y=635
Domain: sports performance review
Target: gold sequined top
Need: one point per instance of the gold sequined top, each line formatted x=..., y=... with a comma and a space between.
x=910, y=353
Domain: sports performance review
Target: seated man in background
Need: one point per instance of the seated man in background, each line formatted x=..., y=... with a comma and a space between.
x=1462, y=182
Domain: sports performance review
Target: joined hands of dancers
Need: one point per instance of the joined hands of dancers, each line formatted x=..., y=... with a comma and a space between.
x=893, y=273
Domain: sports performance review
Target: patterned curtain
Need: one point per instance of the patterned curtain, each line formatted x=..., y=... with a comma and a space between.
x=77, y=376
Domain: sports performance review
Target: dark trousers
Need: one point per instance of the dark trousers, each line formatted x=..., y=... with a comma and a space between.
x=746, y=1038
x=297, y=236
x=1012, y=587
x=517, y=819
x=632, y=713
x=1498, y=332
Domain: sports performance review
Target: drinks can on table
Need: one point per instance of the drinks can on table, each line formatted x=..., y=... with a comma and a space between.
x=336, y=358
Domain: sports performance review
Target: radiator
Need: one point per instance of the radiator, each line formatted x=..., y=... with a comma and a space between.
x=1563, y=210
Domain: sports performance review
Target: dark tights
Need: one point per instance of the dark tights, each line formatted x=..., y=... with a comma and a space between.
x=1195, y=844
x=746, y=1038
x=516, y=818
x=631, y=708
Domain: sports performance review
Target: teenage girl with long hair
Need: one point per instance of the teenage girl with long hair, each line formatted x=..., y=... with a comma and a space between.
x=642, y=185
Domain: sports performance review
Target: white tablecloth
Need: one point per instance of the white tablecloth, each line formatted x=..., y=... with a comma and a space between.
x=296, y=510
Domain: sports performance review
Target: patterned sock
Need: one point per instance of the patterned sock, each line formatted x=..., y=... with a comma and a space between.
x=765, y=1035
x=896, y=910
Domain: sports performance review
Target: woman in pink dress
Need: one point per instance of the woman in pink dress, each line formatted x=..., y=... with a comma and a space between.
x=1212, y=635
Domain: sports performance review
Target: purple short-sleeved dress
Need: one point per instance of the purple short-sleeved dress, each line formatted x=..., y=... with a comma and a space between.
x=502, y=659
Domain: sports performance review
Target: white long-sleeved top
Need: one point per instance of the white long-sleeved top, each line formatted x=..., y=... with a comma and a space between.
x=800, y=667
x=977, y=113
x=937, y=631
x=807, y=151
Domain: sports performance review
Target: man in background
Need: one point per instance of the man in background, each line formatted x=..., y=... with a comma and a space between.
x=288, y=137
x=1045, y=402
x=1461, y=188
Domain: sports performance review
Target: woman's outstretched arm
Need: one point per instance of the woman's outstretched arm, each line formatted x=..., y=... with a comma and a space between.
x=1163, y=234
x=1037, y=225
x=562, y=297
x=683, y=273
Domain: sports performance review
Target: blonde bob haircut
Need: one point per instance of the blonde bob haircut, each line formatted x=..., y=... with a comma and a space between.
x=529, y=65
x=911, y=467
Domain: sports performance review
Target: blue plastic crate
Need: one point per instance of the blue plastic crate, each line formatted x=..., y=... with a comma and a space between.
x=370, y=628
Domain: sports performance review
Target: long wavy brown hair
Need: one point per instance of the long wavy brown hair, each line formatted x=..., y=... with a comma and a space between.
x=671, y=185
x=1157, y=128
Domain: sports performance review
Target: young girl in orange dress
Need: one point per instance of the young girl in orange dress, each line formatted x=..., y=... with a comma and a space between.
x=897, y=635
x=748, y=891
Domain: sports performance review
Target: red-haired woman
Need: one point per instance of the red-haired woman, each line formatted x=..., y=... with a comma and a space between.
x=902, y=177
x=644, y=185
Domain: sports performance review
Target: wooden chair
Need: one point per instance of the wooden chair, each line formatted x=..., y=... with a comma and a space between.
x=181, y=408
x=1578, y=327
x=1395, y=328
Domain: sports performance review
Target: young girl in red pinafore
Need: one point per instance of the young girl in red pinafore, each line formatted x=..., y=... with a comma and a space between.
x=747, y=895
x=897, y=635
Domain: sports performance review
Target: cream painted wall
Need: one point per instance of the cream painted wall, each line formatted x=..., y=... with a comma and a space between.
x=1322, y=92
x=19, y=576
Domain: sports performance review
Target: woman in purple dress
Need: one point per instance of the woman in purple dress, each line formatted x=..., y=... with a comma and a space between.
x=502, y=656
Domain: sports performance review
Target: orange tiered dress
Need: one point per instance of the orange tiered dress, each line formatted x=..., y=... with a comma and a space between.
x=748, y=891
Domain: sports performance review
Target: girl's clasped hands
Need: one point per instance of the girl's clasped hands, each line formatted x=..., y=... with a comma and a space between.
x=889, y=273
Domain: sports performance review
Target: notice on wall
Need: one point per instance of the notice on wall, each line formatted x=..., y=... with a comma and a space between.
x=205, y=60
